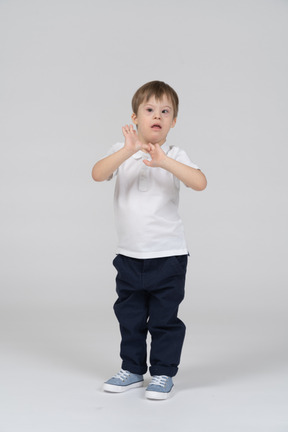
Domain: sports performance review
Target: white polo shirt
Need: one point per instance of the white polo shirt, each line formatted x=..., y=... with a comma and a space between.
x=146, y=207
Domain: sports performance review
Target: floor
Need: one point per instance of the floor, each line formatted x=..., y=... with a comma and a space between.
x=233, y=375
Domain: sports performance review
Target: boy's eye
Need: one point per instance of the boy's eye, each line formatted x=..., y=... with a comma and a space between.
x=149, y=109
x=165, y=111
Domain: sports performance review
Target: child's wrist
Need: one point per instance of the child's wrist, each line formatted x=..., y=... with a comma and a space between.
x=129, y=152
x=165, y=162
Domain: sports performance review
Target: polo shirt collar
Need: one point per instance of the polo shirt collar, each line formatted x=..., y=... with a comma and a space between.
x=140, y=154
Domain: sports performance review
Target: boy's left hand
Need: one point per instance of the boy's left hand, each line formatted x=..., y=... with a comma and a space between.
x=157, y=156
x=191, y=177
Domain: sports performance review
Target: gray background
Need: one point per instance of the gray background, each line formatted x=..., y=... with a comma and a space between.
x=68, y=72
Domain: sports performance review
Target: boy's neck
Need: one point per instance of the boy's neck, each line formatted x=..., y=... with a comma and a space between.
x=145, y=142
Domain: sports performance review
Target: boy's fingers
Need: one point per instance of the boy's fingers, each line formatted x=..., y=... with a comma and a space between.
x=145, y=147
x=146, y=162
x=126, y=128
x=148, y=147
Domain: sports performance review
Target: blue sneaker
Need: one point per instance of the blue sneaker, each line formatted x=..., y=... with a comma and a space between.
x=122, y=381
x=159, y=388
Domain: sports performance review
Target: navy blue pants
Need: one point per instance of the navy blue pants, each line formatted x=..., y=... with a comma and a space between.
x=149, y=293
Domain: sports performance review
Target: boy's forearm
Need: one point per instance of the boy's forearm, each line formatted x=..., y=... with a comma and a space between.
x=191, y=177
x=104, y=168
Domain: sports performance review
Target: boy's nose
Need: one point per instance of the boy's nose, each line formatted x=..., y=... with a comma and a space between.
x=157, y=115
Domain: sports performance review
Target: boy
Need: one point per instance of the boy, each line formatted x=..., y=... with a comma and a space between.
x=152, y=254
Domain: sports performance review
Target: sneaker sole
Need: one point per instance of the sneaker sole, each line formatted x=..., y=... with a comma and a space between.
x=157, y=395
x=119, y=389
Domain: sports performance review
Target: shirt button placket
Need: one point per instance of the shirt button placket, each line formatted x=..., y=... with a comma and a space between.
x=143, y=179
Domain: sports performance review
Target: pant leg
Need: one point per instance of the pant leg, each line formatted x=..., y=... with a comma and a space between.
x=131, y=309
x=166, y=289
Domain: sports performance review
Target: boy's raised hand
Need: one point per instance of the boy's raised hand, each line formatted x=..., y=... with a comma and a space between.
x=132, y=142
x=157, y=156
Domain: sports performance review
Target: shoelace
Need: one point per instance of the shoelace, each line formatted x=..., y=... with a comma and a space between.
x=159, y=380
x=122, y=374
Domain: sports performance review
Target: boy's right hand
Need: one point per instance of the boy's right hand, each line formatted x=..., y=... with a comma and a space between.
x=132, y=142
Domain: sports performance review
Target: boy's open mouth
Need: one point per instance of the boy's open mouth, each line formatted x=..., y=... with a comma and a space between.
x=156, y=126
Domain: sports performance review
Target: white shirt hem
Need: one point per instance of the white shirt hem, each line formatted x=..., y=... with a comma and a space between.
x=147, y=255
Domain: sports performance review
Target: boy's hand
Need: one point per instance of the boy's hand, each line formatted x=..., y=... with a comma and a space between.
x=157, y=156
x=191, y=177
x=132, y=142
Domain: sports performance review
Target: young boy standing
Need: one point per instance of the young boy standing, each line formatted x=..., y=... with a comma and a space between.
x=152, y=254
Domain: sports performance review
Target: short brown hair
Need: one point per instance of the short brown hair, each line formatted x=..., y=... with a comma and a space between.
x=157, y=89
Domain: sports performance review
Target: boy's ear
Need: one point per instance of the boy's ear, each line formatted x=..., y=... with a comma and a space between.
x=174, y=122
x=134, y=118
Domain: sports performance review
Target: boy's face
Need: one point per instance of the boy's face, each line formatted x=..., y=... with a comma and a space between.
x=154, y=119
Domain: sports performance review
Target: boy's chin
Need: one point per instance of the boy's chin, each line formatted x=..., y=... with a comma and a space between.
x=157, y=140
x=154, y=139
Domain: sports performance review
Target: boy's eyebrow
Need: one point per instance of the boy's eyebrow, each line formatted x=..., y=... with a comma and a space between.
x=163, y=106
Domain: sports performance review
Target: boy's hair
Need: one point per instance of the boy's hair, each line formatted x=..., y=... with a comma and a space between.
x=157, y=89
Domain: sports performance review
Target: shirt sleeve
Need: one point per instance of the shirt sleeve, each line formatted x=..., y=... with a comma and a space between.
x=181, y=156
x=112, y=150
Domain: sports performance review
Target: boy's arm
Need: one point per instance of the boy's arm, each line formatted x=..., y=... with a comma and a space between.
x=191, y=177
x=104, y=168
